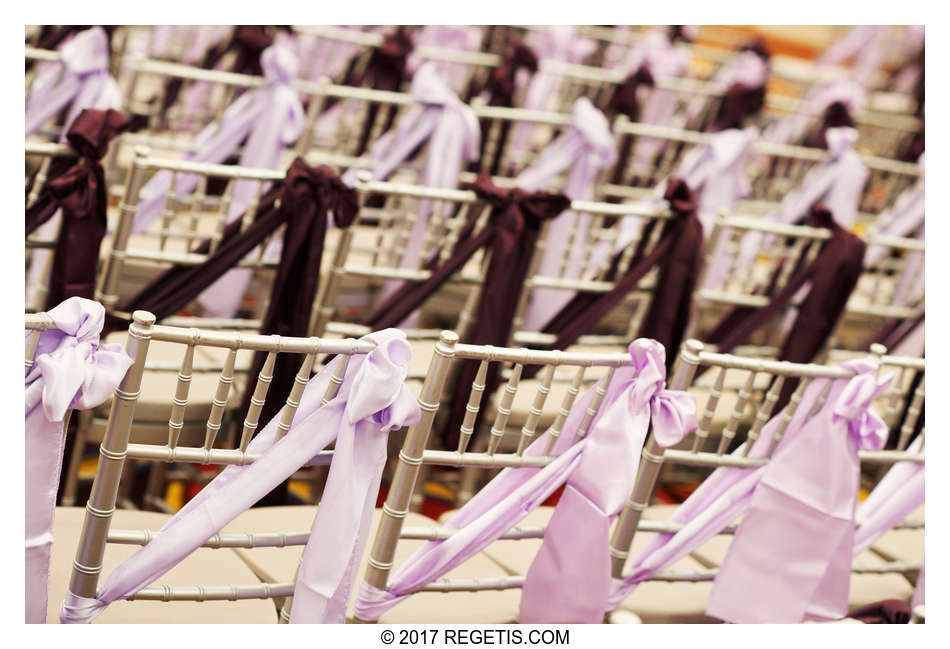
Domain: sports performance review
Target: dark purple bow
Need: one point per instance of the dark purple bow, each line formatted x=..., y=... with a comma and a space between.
x=78, y=188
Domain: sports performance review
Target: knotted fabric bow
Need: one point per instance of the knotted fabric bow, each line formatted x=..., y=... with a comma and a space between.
x=71, y=370
x=599, y=468
x=372, y=401
x=268, y=117
x=727, y=493
x=80, y=81
x=583, y=150
x=792, y=129
x=790, y=559
x=519, y=63
x=557, y=43
x=76, y=189
x=512, y=233
x=451, y=131
x=303, y=201
x=743, y=81
x=246, y=44
x=678, y=253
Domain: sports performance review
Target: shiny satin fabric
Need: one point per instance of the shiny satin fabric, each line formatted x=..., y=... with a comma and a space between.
x=582, y=151
x=597, y=471
x=81, y=80
x=75, y=194
x=371, y=402
x=729, y=491
x=790, y=558
x=72, y=370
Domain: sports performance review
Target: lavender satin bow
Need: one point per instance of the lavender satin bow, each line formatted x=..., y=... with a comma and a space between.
x=453, y=135
x=583, y=150
x=790, y=559
x=726, y=494
x=629, y=405
x=558, y=43
x=81, y=81
x=569, y=579
x=372, y=401
x=269, y=118
x=71, y=370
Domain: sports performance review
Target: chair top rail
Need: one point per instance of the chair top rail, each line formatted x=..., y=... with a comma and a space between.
x=145, y=160
x=626, y=127
x=38, y=54
x=752, y=223
x=257, y=342
x=49, y=149
x=525, y=356
x=900, y=243
x=39, y=321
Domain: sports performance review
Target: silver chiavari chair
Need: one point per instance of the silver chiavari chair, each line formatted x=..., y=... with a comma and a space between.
x=708, y=448
x=39, y=156
x=725, y=283
x=370, y=254
x=477, y=64
x=881, y=133
x=133, y=261
x=186, y=220
x=774, y=170
x=109, y=535
x=492, y=600
x=36, y=324
x=612, y=335
x=39, y=57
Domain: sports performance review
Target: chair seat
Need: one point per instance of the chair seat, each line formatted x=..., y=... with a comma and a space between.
x=653, y=602
x=205, y=566
x=902, y=545
x=280, y=564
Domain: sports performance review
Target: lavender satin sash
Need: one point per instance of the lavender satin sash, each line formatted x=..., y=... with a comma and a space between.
x=898, y=493
x=461, y=38
x=836, y=183
x=726, y=493
x=515, y=492
x=558, y=43
x=791, y=129
x=904, y=219
x=269, y=118
x=790, y=559
x=81, y=81
x=564, y=585
x=583, y=150
x=452, y=132
x=72, y=370
x=371, y=402
x=866, y=44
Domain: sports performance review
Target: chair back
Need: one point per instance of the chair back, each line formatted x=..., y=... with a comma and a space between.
x=217, y=448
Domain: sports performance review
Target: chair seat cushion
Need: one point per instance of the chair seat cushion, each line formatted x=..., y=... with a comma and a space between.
x=903, y=545
x=204, y=566
x=280, y=564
